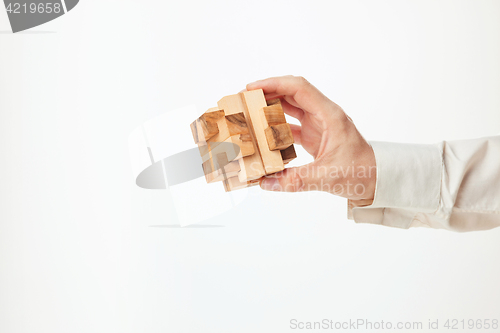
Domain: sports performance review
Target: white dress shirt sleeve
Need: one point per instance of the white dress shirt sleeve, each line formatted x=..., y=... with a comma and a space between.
x=452, y=185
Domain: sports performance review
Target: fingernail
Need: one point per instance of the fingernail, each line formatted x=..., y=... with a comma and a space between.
x=270, y=184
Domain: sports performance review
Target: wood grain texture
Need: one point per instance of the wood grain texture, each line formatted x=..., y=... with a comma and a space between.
x=199, y=139
x=231, y=104
x=236, y=146
x=208, y=122
x=194, y=131
x=237, y=124
x=231, y=184
x=204, y=151
x=219, y=168
x=251, y=166
x=232, y=147
x=255, y=101
x=215, y=163
x=246, y=147
x=223, y=133
x=279, y=136
x=273, y=101
x=288, y=154
x=245, y=137
x=231, y=124
x=274, y=114
x=242, y=139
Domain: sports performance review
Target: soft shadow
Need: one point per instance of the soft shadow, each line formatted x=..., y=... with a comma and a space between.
x=26, y=32
x=188, y=226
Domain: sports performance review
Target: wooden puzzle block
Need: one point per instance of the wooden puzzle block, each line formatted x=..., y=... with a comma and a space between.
x=242, y=139
x=245, y=146
x=237, y=124
x=251, y=166
x=274, y=114
x=206, y=127
x=288, y=154
x=220, y=168
x=279, y=136
x=255, y=101
x=273, y=101
x=231, y=184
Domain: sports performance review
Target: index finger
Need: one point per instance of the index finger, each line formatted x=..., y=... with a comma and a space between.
x=306, y=96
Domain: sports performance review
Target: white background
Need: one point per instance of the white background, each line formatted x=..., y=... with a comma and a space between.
x=78, y=252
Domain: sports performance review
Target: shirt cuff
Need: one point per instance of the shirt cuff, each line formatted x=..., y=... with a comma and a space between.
x=408, y=182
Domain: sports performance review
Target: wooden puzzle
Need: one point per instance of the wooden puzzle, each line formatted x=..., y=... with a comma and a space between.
x=242, y=139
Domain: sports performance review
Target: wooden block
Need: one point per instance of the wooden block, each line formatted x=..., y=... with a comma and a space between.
x=209, y=129
x=253, y=182
x=210, y=149
x=220, y=160
x=255, y=101
x=222, y=135
x=242, y=139
x=194, y=131
x=232, y=124
x=273, y=101
x=208, y=167
x=288, y=154
x=204, y=151
x=209, y=171
x=215, y=163
x=245, y=137
x=274, y=114
x=206, y=126
x=231, y=184
x=232, y=104
x=231, y=170
x=234, y=147
x=279, y=136
x=234, y=128
x=246, y=146
x=203, y=146
x=199, y=138
x=237, y=124
x=219, y=168
x=197, y=132
x=208, y=122
x=251, y=166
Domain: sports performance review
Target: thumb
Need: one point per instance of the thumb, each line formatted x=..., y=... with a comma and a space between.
x=289, y=180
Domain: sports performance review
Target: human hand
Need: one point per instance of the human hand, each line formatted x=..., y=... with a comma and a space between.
x=344, y=163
